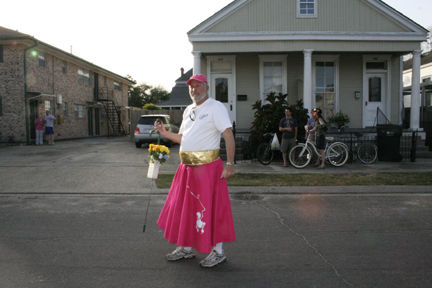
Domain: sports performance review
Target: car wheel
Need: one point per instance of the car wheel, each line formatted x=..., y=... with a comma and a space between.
x=138, y=144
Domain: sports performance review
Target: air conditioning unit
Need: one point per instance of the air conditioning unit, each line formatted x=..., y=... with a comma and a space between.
x=59, y=99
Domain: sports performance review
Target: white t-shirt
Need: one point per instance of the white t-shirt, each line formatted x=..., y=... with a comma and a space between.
x=49, y=120
x=211, y=119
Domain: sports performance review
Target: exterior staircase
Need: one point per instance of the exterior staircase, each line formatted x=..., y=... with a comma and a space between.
x=106, y=97
x=422, y=151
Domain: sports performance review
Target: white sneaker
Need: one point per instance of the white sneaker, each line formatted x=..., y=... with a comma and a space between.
x=180, y=253
x=213, y=259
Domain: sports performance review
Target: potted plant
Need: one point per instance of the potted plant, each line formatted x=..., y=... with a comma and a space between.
x=340, y=119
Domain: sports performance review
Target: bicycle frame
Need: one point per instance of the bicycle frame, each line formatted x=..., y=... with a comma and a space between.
x=336, y=153
x=309, y=143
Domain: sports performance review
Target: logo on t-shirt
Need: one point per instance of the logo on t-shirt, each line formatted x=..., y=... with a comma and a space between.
x=203, y=116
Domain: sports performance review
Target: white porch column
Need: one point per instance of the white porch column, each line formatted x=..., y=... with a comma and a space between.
x=415, y=91
x=307, y=79
x=197, y=62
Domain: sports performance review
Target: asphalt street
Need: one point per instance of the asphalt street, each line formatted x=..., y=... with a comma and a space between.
x=71, y=215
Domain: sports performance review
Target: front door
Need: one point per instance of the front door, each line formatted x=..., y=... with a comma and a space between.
x=33, y=116
x=222, y=90
x=374, y=97
x=97, y=125
x=90, y=121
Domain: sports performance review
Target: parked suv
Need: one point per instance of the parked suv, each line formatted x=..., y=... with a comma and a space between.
x=146, y=125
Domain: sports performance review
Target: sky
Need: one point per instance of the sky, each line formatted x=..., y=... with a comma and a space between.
x=146, y=39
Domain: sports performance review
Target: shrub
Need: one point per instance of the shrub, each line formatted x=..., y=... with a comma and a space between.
x=268, y=117
x=340, y=119
x=151, y=106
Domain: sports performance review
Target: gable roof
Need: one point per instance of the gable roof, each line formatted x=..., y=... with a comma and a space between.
x=10, y=36
x=276, y=20
x=179, y=96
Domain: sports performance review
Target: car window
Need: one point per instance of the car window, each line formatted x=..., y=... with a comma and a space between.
x=151, y=120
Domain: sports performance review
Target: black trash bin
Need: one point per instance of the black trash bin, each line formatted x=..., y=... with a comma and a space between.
x=388, y=139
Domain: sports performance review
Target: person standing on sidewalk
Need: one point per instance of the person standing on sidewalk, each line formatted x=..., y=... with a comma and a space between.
x=320, y=136
x=49, y=127
x=288, y=125
x=308, y=127
x=197, y=213
x=39, y=129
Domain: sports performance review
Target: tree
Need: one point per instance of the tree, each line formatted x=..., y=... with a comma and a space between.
x=143, y=93
x=157, y=94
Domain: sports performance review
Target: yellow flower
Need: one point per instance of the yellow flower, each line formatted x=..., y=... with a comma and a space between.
x=158, y=153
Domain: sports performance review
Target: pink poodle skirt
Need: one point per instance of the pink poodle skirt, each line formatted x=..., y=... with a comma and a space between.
x=197, y=212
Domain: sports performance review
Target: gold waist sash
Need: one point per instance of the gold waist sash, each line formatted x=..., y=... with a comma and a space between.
x=194, y=158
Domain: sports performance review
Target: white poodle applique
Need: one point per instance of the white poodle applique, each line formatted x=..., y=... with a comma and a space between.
x=199, y=223
x=200, y=215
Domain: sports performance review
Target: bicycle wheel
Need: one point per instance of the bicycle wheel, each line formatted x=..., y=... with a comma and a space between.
x=367, y=152
x=300, y=156
x=264, y=153
x=337, y=154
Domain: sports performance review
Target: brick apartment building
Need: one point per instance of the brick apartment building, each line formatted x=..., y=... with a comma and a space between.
x=86, y=99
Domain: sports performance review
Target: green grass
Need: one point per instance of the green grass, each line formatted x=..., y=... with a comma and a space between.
x=366, y=179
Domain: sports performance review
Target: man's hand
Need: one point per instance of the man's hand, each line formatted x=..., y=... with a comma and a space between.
x=159, y=126
x=228, y=172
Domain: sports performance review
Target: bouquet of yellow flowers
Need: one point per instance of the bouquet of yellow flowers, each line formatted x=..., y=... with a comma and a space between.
x=158, y=153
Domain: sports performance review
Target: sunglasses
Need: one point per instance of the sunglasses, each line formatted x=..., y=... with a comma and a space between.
x=192, y=115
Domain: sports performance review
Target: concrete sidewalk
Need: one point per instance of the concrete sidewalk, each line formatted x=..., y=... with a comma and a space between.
x=115, y=166
x=276, y=167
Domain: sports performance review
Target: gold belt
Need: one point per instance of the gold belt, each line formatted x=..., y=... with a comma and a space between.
x=194, y=158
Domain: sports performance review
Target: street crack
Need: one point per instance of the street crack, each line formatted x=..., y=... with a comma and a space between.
x=281, y=220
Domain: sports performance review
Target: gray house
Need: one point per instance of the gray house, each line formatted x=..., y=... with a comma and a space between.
x=334, y=54
x=179, y=96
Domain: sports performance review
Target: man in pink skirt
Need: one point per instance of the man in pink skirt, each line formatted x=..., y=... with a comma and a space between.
x=197, y=213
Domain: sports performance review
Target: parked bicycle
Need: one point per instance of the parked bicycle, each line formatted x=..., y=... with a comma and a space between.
x=365, y=151
x=336, y=153
x=264, y=152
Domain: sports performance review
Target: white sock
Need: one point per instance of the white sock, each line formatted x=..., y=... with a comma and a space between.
x=218, y=248
x=187, y=248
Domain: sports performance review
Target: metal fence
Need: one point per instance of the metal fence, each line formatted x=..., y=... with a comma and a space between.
x=406, y=147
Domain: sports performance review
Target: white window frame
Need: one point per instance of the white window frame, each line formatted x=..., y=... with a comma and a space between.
x=117, y=86
x=79, y=110
x=272, y=58
x=315, y=15
x=49, y=106
x=84, y=76
x=326, y=58
x=426, y=78
x=65, y=110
